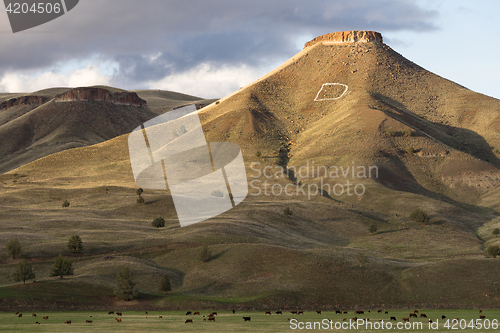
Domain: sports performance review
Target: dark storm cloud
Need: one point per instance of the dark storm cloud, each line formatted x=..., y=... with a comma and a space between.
x=153, y=38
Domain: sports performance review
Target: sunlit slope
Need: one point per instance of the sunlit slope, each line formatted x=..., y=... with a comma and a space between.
x=391, y=106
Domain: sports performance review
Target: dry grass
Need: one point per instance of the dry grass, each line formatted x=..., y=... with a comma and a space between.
x=309, y=257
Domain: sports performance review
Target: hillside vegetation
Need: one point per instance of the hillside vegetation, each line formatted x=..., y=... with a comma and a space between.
x=262, y=257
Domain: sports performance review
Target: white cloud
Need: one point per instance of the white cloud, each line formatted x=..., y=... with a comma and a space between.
x=88, y=76
x=209, y=81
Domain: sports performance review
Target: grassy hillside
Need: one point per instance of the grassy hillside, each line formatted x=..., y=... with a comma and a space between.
x=261, y=257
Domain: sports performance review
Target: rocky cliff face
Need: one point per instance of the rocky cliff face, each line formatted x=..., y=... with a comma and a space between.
x=356, y=36
x=24, y=100
x=99, y=94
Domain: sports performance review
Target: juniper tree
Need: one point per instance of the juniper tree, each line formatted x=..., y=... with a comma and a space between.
x=361, y=258
x=165, y=284
x=23, y=272
x=205, y=254
x=158, y=222
x=493, y=251
x=14, y=248
x=62, y=267
x=140, y=199
x=419, y=215
x=125, y=285
x=75, y=244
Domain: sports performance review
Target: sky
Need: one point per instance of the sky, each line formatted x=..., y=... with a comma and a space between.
x=212, y=48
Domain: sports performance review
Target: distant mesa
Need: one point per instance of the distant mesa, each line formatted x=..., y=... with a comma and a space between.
x=99, y=94
x=355, y=36
x=24, y=100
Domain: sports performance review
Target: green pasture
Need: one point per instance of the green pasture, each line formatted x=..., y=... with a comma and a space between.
x=226, y=321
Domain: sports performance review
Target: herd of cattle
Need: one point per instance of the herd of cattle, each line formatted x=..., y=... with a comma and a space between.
x=211, y=316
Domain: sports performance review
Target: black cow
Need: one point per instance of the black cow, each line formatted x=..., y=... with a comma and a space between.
x=393, y=318
x=246, y=318
x=387, y=312
x=279, y=312
x=443, y=317
x=338, y=311
x=345, y=312
x=188, y=313
x=234, y=311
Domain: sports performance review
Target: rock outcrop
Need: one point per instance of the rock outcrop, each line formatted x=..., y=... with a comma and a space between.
x=355, y=36
x=100, y=94
x=24, y=100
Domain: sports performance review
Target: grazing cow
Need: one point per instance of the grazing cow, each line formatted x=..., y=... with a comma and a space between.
x=344, y=319
x=37, y=323
x=267, y=312
x=457, y=319
x=318, y=312
x=204, y=319
x=482, y=317
x=111, y=312
x=188, y=321
x=415, y=311
x=430, y=320
x=146, y=312
x=413, y=315
x=196, y=313
x=246, y=318
x=33, y=314
x=345, y=312
x=160, y=317
x=119, y=314
x=188, y=313
x=481, y=310
x=379, y=311
x=300, y=312
x=279, y=312
x=443, y=317
x=118, y=320
x=46, y=317
x=355, y=318
x=88, y=321
x=20, y=315
x=211, y=319
x=359, y=312
x=68, y=322
x=387, y=312
x=293, y=312
x=393, y=318
x=17, y=312
x=423, y=315
x=337, y=311
x=406, y=319
x=213, y=314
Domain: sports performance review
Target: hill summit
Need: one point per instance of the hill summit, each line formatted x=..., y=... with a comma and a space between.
x=355, y=36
